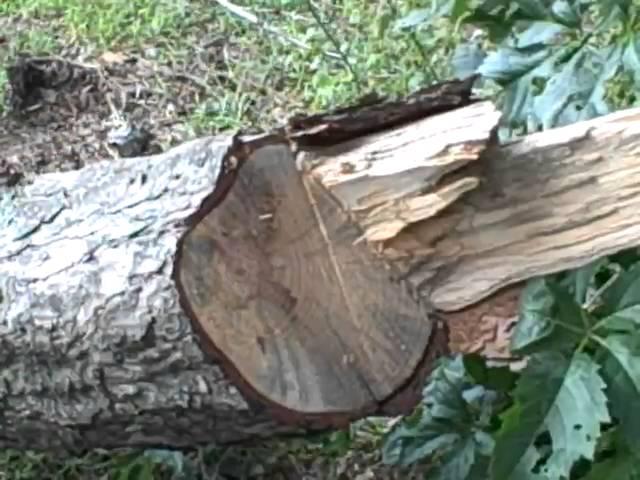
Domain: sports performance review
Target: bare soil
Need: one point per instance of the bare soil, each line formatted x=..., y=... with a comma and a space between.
x=61, y=111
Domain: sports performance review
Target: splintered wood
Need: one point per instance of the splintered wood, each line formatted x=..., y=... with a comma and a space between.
x=545, y=203
x=549, y=202
x=394, y=179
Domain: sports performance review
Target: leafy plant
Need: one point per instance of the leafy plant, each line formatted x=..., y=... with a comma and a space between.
x=581, y=385
x=571, y=412
x=556, y=61
x=450, y=428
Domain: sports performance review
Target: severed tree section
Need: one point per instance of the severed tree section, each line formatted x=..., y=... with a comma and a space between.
x=236, y=288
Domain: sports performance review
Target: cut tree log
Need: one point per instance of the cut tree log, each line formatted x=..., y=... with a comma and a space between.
x=230, y=290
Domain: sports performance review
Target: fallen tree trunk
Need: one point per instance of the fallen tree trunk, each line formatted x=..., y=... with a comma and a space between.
x=179, y=299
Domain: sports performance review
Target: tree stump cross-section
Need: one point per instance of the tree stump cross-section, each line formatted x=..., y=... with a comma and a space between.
x=310, y=323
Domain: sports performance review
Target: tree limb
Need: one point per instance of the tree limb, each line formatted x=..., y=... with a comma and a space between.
x=98, y=350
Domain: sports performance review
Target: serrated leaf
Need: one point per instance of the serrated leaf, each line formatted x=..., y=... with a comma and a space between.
x=449, y=427
x=559, y=394
x=607, y=62
x=571, y=86
x=621, y=372
x=519, y=95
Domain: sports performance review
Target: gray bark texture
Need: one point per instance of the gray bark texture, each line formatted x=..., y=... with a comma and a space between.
x=95, y=350
x=97, y=347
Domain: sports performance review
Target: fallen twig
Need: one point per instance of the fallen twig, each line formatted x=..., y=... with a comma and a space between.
x=250, y=17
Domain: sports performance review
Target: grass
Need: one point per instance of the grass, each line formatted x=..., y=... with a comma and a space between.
x=368, y=54
x=351, y=49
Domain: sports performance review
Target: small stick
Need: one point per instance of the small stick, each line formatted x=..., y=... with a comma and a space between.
x=250, y=17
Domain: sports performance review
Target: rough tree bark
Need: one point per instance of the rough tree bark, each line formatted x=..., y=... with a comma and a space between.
x=101, y=269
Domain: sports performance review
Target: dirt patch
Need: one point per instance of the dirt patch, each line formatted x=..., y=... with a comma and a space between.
x=64, y=112
x=61, y=112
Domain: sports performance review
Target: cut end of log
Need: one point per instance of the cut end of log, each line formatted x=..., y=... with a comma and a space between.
x=306, y=326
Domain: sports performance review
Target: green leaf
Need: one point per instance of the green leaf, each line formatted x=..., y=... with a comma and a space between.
x=542, y=32
x=174, y=459
x=509, y=63
x=580, y=280
x=466, y=59
x=456, y=464
x=559, y=394
x=624, y=291
x=536, y=316
x=480, y=469
x=549, y=319
x=520, y=94
x=605, y=60
x=449, y=428
x=568, y=93
x=533, y=9
x=627, y=320
x=623, y=5
x=622, y=466
x=499, y=379
x=564, y=78
x=565, y=13
x=424, y=16
x=621, y=372
x=459, y=8
x=568, y=312
x=631, y=58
